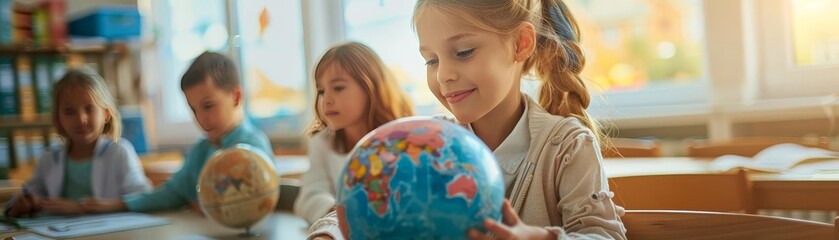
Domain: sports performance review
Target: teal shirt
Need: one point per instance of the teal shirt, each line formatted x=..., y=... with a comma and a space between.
x=76, y=184
x=180, y=189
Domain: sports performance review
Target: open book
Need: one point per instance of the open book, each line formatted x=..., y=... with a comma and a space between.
x=778, y=158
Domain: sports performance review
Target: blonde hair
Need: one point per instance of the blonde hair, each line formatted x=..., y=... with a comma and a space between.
x=87, y=80
x=558, y=58
x=387, y=101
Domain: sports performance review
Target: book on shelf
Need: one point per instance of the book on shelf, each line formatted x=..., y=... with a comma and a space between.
x=6, y=22
x=8, y=87
x=26, y=92
x=49, y=23
x=21, y=24
x=5, y=156
x=57, y=10
x=43, y=83
x=42, y=22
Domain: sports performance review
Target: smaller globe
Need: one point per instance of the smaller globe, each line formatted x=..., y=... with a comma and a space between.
x=238, y=187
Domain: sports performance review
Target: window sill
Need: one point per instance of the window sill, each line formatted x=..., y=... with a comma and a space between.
x=765, y=110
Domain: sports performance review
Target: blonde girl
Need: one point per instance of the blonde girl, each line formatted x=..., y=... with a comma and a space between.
x=92, y=163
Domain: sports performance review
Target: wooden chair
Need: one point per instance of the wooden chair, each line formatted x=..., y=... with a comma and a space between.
x=748, y=147
x=662, y=224
x=629, y=147
x=289, y=189
x=719, y=192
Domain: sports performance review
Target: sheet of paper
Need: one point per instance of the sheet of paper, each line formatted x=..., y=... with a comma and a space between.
x=31, y=236
x=7, y=228
x=194, y=237
x=78, y=226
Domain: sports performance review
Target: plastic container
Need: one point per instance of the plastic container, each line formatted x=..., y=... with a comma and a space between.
x=111, y=22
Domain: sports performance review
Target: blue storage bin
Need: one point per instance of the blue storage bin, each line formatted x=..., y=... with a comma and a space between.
x=111, y=22
x=133, y=128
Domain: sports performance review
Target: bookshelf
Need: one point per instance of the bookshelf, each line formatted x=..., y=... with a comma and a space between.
x=31, y=113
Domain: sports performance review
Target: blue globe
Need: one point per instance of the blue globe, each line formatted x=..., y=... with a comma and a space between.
x=418, y=178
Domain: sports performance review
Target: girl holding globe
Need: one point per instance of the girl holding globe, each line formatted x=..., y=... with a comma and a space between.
x=355, y=94
x=477, y=52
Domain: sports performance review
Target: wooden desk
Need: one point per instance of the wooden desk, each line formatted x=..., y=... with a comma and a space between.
x=160, y=167
x=771, y=190
x=9, y=188
x=189, y=225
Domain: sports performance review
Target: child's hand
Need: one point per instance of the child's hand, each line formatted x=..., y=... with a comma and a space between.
x=24, y=204
x=513, y=228
x=103, y=206
x=61, y=206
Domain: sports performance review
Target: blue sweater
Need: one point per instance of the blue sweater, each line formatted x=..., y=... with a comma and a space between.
x=180, y=189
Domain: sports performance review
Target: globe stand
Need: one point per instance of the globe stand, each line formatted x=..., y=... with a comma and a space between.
x=248, y=233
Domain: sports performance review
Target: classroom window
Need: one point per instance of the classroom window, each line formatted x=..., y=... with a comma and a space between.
x=636, y=44
x=186, y=29
x=385, y=26
x=271, y=53
x=639, y=52
x=265, y=38
x=814, y=32
x=799, y=40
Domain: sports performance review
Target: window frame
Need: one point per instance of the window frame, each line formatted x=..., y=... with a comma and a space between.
x=320, y=30
x=780, y=76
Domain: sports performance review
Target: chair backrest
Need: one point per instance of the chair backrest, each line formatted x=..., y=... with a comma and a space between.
x=629, y=147
x=748, y=147
x=289, y=189
x=836, y=226
x=664, y=224
x=719, y=192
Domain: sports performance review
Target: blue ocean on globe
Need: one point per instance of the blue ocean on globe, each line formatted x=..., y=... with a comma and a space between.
x=419, y=178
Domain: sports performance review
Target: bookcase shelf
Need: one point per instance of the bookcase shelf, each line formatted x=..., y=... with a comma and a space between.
x=38, y=121
x=32, y=50
x=108, y=59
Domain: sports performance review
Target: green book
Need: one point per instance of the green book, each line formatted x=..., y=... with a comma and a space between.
x=43, y=83
x=8, y=87
x=5, y=156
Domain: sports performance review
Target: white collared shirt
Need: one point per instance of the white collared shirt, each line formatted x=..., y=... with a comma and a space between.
x=512, y=151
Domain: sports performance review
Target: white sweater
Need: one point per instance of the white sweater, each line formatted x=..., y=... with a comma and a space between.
x=317, y=196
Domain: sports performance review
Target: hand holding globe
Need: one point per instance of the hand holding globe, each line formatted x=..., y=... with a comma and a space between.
x=418, y=178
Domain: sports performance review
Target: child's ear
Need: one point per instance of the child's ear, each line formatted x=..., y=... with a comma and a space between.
x=525, y=42
x=237, y=96
x=108, y=115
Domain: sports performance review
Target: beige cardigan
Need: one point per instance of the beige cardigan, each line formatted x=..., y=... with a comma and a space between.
x=560, y=186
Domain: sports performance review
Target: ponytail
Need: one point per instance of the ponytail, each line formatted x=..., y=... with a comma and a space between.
x=558, y=61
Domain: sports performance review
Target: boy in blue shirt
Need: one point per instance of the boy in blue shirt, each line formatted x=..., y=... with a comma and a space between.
x=212, y=89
